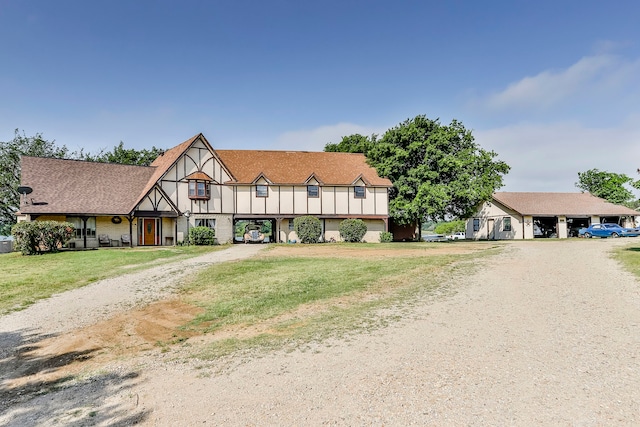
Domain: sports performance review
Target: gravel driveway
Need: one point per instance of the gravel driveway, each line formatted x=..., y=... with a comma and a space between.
x=546, y=333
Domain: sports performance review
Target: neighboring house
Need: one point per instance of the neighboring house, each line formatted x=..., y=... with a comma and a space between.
x=192, y=184
x=533, y=215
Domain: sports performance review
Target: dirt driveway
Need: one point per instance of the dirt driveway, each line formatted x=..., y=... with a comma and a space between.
x=545, y=333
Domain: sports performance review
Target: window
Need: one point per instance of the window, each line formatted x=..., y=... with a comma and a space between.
x=476, y=224
x=262, y=191
x=506, y=224
x=358, y=192
x=291, y=225
x=79, y=226
x=206, y=222
x=199, y=190
x=313, y=191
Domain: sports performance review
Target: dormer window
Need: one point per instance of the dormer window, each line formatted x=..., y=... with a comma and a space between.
x=262, y=191
x=358, y=192
x=313, y=191
x=199, y=190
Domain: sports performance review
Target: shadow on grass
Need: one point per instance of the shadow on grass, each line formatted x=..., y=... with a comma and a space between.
x=33, y=391
x=633, y=249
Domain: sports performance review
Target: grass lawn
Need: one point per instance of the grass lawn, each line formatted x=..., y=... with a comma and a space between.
x=629, y=256
x=272, y=300
x=26, y=279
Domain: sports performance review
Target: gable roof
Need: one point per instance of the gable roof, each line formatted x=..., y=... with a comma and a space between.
x=553, y=204
x=295, y=167
x=79, y=187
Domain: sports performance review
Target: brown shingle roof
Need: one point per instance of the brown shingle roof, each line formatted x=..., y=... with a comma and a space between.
x=78, y=187
x=295, y=167
x=552, y=204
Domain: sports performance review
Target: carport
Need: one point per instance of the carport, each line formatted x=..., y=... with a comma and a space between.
x=543, y=215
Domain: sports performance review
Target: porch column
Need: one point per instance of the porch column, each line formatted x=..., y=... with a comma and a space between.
x=84, y=229
x=130, y=219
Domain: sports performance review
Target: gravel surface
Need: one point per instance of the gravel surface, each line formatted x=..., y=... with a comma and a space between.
x=546, y=333
x=70, y=310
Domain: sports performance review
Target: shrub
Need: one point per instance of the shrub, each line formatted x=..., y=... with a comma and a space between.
x=202, y=236
x=308, y=229
x=386, y=237
x=352, y=230
x=41, y=236
x=450, y=227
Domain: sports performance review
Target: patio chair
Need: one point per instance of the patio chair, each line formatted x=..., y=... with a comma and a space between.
x=125, y=239
x=104, y=240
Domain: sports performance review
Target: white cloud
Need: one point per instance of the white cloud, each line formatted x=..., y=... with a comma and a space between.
x=315, y=139
x=592, y=76
x=548, y=157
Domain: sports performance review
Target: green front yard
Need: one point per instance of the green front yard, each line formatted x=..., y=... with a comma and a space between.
x=26, y=279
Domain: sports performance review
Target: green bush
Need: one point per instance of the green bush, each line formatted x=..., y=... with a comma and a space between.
x=202, y=236
x=386, y=237
x=308, y=229
x=450, y=227
x=41, y=236
x=352, y=230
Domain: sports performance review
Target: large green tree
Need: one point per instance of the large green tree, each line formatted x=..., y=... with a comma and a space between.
x=607, y=185
x=437, y=170
x=10, y=153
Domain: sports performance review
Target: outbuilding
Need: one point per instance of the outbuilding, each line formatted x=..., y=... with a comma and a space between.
x=528, y=215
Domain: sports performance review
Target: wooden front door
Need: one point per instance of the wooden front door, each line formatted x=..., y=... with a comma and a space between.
x=492, y=229
x=149, y=226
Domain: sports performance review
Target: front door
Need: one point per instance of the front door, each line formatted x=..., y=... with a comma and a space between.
x=149, y=232
x=491, y=226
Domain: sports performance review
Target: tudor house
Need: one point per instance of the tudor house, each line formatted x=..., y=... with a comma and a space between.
x=230, y=191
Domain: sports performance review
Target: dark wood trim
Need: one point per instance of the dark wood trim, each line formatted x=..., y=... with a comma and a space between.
x=155, y=214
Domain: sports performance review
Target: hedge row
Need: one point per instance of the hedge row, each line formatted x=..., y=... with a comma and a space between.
x=309, y=230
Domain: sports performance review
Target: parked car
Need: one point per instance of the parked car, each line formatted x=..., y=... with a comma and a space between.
x=459, y=235
x=608, y=230
x=434, y=237
x=253, y=234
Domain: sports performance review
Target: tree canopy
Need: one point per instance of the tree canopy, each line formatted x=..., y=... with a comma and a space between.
x=124, y=156
x=608, y=185
x=10, y=153
x=437, y=170
x=355, y=143
x=37, y=146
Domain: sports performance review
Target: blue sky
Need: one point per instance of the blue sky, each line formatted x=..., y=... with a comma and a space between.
x=552, y=86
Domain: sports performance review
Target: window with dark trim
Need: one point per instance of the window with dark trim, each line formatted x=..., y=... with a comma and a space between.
x=476, y=224
x=358, y=192
x=506, y=224
x=262, y=191
x=206, y=222
x=199, y=190
x=313, y=191
x=78, y=224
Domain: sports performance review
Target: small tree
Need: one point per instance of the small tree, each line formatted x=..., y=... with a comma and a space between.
x=450, y=227
x=202, y=236
x=352, y=230
x=308, y=229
